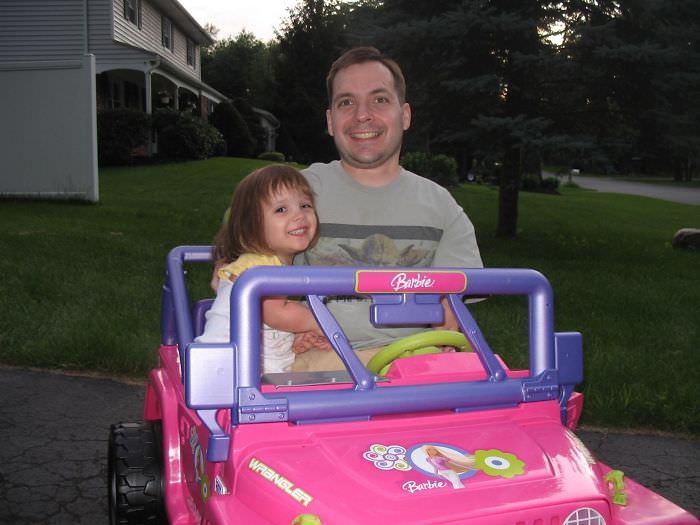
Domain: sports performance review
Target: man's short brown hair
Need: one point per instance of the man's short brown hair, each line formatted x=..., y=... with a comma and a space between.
x=243, y=230
x=361, y=55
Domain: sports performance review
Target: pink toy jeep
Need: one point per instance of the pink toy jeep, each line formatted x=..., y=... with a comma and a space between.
x=414, y=438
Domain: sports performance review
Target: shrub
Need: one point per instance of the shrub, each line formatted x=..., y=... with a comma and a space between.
x=546, y=185
x=550, y=183
x=528, y=183
x=275, y=156
x=228, y=120
x=439, y=168
x=252, y=120
x=182, y=136
x=119, y=132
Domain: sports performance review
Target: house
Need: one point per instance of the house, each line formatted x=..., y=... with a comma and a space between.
x=61, y=62
x=270, y=125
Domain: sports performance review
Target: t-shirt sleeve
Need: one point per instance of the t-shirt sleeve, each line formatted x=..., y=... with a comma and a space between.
x=245, y=261
x=458, y=246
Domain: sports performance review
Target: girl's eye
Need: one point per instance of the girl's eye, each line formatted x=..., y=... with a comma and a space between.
x=306, y=205
x=281, y=209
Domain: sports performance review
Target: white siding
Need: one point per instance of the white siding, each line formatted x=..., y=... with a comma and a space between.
x=148, y=37
x=41, y=30
x=101, y=40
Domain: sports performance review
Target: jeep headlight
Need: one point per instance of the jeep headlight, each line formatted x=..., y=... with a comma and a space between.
x=584, y=516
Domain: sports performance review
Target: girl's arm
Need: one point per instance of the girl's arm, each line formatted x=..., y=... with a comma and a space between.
x=290, y=316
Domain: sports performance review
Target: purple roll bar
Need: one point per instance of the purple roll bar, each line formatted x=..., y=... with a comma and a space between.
x=555, y=359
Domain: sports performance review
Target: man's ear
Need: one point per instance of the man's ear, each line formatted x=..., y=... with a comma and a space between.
x=406, y=116
x=329, y=122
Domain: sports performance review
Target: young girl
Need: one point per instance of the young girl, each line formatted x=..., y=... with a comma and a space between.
x=271, y=219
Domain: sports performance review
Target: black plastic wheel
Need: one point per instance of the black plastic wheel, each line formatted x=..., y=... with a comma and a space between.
x=135, y=467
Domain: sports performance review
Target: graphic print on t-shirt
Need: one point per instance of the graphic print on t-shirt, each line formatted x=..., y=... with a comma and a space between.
x=350, y=245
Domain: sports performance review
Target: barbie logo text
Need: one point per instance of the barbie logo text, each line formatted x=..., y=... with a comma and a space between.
x=413, y=486
x=402, y=282
x=388, y=281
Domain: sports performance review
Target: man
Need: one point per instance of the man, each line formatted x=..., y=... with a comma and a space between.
x=372, y=211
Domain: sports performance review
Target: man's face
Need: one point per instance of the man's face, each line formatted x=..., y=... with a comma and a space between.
x=366, y=118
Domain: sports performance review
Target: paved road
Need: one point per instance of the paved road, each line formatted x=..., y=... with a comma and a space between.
x=656, y=191
x=54, y=430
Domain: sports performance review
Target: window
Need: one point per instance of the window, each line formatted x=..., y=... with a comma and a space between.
x=132, y=12
x=191, y=57
x=167, y=33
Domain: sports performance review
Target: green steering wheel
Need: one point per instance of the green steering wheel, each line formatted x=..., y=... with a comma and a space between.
x=417, y=344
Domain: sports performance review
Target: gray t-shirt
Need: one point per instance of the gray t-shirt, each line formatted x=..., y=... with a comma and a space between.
x=411, y=222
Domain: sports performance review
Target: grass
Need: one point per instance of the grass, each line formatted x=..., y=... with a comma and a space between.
x=81, y=283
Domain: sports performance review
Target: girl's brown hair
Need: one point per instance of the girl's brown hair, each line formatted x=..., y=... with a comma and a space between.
x=243, y=230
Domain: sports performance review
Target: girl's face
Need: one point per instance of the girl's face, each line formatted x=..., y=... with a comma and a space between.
x=289, y=223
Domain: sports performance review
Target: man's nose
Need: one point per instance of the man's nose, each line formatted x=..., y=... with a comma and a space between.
x=363, y=111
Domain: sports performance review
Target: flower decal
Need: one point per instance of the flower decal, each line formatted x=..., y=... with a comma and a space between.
x=387, y=457
x=498, y=463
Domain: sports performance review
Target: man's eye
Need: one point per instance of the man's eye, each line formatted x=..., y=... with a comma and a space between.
x=344, y=102
x=382, y=100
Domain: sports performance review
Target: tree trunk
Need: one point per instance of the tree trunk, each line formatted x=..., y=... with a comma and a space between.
x=509, y=184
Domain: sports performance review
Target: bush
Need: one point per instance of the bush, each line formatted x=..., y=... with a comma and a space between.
x=528, y=183
x=119, y=132
x=550, y=184
x=258, y=134
x=182, y=136
x=546, y=185
x=439, y=168
x=275, y=156
x=228, y=120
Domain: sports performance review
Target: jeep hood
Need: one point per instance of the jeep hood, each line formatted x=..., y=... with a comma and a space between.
x=413, y=470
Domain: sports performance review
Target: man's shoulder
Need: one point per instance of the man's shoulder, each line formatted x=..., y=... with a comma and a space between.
x=422, y=183
x=320, y=172
x=320, y=168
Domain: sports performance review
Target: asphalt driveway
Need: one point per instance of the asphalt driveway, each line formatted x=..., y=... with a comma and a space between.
x=54, y=430
x=671, y=193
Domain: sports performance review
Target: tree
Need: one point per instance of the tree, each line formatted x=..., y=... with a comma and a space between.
x=307, y=43
x=240, y=67
x=211, y=29
x=228, y=120
x=636, y=72
x=475, y=72
x=678, y=85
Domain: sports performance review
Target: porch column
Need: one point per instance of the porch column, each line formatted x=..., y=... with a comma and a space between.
x=149, y=110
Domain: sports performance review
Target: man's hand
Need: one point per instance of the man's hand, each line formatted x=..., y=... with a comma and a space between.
x=307, y=340
x=450, y=321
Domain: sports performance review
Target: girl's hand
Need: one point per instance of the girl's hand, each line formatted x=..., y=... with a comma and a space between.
x=307, y=340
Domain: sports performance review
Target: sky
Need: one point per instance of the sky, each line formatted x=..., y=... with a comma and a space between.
x=259, y=17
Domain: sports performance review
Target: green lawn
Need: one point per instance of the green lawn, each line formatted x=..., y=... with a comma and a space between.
x=80, y=285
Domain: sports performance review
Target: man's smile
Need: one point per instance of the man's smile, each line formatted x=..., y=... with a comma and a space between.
x=363, y=135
